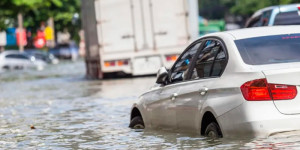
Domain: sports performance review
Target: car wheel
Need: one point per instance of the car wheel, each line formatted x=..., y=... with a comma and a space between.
x=137, y=123
x=213, y=130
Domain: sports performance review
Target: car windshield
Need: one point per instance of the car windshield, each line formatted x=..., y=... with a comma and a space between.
x=270, y=49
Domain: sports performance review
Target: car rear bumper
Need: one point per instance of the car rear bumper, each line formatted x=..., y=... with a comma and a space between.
x=257, y=119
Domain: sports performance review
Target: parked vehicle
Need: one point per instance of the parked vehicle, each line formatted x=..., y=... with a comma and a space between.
x=14, y=60
x=44, y=56
x=235, y=83
x=142, y=40
x=65, y=51
x=275, y=15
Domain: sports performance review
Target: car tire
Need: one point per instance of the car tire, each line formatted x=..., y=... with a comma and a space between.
x=213, y=131
x=137, y=123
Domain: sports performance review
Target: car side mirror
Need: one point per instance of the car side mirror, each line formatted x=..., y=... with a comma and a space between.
x=162, y=76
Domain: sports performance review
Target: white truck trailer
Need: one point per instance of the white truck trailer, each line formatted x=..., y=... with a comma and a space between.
x=137, y=37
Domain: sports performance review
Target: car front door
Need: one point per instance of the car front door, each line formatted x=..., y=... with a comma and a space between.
x=162, y=106
x=204, y=70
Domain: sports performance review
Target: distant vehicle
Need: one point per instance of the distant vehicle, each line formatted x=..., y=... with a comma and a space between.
x=14, y=60
x=275, y=15
x=236, y=83
x=44, y=56
x=65, y=51
x=150, y=34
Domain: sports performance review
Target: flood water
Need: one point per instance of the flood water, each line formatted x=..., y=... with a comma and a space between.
x=70, y=112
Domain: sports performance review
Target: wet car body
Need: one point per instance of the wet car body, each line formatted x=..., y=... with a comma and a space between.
x=241, y=96
x=14, y=60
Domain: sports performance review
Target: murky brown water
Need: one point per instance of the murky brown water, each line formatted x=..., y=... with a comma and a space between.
x=70, y=112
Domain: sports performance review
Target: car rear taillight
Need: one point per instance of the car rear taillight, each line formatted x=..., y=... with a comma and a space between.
x=260, y=90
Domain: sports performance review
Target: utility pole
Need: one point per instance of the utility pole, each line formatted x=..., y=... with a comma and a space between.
x=193, y=12
x=20, y=28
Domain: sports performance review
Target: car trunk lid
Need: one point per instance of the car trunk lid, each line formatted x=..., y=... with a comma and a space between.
x=290, y=76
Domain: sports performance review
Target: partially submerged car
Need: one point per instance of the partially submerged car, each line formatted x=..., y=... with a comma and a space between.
x=275, y=15
x=44, y=56
x=14, y=60
x=228, y=84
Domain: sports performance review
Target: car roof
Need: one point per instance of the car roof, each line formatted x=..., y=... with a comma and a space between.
x=289, y=7
x=260, y=11
x=282, y=8
x=259, y=31
x=9, y=52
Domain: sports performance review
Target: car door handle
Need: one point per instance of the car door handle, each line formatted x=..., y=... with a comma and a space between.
x=174, y=96
x=203, y=91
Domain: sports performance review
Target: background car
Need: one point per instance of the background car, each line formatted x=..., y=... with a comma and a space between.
x=228, y=84
x=14, y=60
x=65, y=51
x=44, y=56
x=275, y=15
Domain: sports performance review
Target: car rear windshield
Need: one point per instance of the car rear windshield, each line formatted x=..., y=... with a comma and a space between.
x=287, y=18
x=270, y=49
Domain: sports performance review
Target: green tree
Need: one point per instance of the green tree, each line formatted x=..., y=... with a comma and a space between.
x=37, y=11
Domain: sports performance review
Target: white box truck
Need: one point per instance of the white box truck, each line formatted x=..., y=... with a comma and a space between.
x=137, y=37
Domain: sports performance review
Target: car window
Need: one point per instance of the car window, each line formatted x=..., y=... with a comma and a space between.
x=287, y=18
x=254, y=22
x=266, y=18
x=16, y=56
x=270, y=49
x=179, y=70
x=219, y=64
x=210, y=62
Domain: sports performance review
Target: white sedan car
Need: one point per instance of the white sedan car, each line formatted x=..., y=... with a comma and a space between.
x=228, y=84
x=15, y=60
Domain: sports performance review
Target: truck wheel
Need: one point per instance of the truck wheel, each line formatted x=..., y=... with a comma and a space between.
x=137, y=123
x=213, y=131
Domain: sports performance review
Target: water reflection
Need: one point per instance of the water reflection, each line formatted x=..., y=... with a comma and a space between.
x=70, y=112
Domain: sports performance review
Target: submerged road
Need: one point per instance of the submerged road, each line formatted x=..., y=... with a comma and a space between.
x=57, y=108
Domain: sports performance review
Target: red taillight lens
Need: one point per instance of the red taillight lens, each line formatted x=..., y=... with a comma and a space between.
x=283, y=92
x=260, y=90
x=256, y=90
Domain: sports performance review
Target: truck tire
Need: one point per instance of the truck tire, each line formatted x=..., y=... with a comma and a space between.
x=137, y=123
x=213, y=131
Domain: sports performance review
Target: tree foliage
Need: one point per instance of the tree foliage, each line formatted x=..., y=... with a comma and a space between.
x=37, y=11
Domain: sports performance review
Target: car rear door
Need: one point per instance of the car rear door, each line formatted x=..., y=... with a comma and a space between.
x=205, y=71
